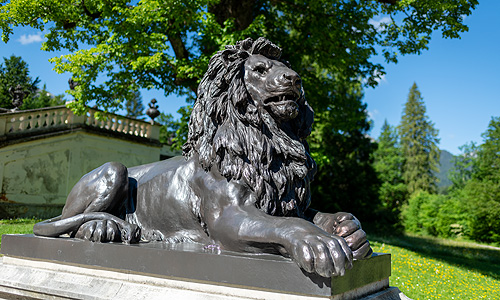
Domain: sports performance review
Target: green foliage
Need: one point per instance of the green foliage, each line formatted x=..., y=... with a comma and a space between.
x=436, y=215
x=476, y=179
x=152, y=44
x=478, y=185
x=471, y=209
x=346, y=180
x=487, y=164
x=174, y=132
x=134, y=107
x=13, y=71
x=446, y=160
x=42, y=99
x=16, y=226
x=388, y=164
x=463, y=165
x=482, y=199
x=419, y=145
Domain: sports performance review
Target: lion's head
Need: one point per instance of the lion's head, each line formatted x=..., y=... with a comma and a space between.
x=250, y=122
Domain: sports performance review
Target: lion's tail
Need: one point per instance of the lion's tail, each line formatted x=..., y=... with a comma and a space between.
x=56, y=226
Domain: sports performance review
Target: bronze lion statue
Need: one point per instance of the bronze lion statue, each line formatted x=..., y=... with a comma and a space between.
x=243, y=180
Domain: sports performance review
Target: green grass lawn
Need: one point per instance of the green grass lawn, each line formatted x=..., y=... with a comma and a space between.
x=431, y=268
x=422, y=268
x=22, y=226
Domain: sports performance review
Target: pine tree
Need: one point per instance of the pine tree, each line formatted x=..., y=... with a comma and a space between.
x=389, y=165
x=419, y=140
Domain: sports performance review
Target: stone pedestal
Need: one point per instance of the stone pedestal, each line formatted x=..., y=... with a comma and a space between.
x=48, y=268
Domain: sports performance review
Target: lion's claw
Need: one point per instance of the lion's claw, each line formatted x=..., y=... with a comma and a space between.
x=345, y=225
x=346, y=228
x=364, y=251
x=108, y=231
x=97, y=231
x=356, y=239
x=321, y=253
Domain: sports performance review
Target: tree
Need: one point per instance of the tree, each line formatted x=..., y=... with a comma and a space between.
x=346, y=180
x=134, y=106
x=472, y=207
x=166, y=45
x=14, y=71
x=389, y=166
x=487, y=166
x=42, y=98
x=463, y=165
x=174, y=132
x=482, y=191
x=419, y=140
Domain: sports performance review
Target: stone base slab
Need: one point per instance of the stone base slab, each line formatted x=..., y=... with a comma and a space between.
x=47, y=268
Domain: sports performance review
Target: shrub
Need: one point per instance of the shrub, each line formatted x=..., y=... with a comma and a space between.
x=436, y=215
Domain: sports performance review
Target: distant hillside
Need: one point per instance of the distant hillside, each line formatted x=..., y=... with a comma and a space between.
x=446, y=162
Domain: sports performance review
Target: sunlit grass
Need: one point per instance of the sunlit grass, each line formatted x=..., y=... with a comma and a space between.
x=428, y=274
x=16, y=226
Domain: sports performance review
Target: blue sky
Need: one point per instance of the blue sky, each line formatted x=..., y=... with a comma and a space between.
x=458, y=79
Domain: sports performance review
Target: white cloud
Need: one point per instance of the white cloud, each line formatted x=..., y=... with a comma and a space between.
x=381, y=79
x=31, y=38
x=379, y=76
x=379, y=24
x=372, y=114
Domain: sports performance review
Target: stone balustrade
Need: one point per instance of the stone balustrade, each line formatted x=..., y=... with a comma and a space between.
x=60, y=117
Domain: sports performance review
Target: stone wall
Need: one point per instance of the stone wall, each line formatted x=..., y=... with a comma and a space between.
x=38, y=168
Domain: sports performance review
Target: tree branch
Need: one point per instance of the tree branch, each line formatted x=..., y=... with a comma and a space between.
x=242, y=11
x=391, y=2
x=178, y=46
x=94, y=15
x=181, y=52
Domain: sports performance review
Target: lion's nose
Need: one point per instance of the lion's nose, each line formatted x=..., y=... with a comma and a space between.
x=293, y=78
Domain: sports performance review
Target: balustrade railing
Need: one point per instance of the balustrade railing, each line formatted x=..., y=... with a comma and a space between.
x=58, y=117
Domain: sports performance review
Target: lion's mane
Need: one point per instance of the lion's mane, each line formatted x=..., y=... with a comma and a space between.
x=232, y=132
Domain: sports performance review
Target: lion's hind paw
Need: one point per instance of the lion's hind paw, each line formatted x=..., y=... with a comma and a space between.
x=98, y=231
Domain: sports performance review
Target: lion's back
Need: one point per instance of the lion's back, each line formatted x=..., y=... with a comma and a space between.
x=165, y=197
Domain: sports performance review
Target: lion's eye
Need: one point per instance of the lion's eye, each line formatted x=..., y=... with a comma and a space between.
x=260, y=69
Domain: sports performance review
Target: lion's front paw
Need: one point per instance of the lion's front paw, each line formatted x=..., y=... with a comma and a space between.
x=323, y=254
x=347, y=226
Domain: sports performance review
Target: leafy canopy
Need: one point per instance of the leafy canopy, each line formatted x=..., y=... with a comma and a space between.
x=120, y=46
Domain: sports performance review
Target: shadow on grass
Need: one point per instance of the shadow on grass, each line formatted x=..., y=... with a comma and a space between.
x=483, y=259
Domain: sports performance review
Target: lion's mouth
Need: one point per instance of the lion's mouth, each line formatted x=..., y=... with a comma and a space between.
x=284, y=106
x=288, y=97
